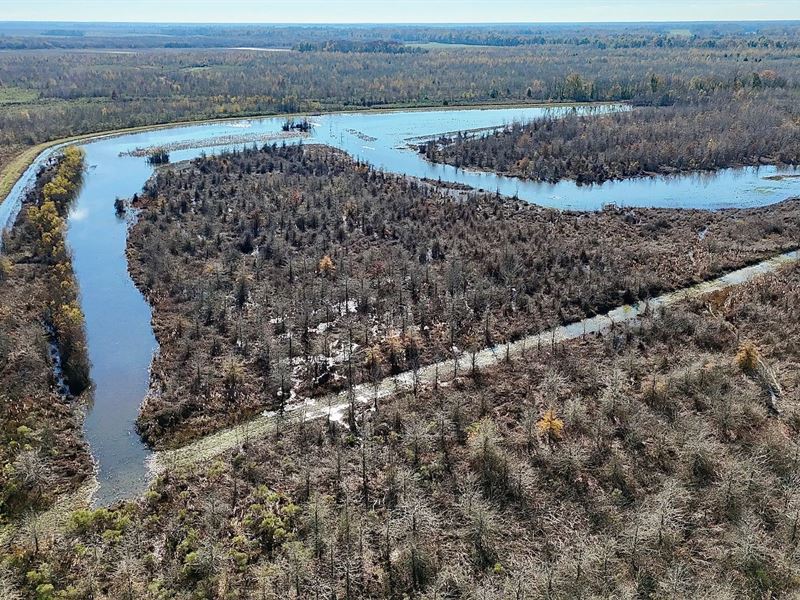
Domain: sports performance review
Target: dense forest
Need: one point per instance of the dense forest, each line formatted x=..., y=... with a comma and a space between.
x=382, y=46
x=43, y=368
x=643, y=464
x=295, y=271
x=755, y=127
x=46, y=95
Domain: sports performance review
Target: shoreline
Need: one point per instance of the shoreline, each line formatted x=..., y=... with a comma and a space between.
x=65, y=376
x=647, y=175
x=16, y=168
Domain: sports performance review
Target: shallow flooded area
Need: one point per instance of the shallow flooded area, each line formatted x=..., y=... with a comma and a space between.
x=120, y=337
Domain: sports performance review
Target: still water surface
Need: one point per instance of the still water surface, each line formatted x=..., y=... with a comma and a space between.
x=120, y=338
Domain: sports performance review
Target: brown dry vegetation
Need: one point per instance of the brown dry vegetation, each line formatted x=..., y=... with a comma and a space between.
x=297, y=269
x=8, y=152
x=60, y=94
x=41, y=445
x=658, y=461
x=753, y=127
x=668, y=477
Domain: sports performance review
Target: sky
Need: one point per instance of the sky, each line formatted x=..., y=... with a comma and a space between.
x=397, y=11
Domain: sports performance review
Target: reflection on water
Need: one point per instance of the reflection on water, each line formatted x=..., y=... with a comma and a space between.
x=120, y=338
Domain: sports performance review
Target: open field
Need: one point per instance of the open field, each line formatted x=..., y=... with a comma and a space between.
x=11, y=95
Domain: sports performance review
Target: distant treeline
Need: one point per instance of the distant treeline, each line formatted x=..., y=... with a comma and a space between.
x=87, y=92
x=384, y=46
x=64, y=33
x=756, y=128
x=695, y=35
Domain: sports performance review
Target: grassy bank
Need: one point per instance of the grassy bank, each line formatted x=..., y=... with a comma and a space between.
x=14, y=169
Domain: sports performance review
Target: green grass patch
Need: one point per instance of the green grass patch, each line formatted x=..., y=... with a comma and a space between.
x=14, y=169
x=16, y=95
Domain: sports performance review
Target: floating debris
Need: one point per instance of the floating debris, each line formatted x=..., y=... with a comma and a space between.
x=223, y=140
x=782, y=176
x=361, y=135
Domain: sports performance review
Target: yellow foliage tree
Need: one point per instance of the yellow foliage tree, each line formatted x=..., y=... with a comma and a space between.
x=326, y=266
x=747, y=358
x=46, y=217
x=550, y=426
x=6, y=268
x=68, y=317
x=59, y=189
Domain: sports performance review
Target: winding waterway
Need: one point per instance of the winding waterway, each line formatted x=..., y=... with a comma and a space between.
x=120, y=338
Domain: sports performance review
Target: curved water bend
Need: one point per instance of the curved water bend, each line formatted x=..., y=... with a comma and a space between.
x=382, y=139
x=120, y=338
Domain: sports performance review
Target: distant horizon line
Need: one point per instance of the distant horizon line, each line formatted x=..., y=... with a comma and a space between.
x=400, y=23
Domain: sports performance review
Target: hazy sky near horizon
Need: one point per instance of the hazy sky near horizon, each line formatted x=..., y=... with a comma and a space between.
x=396, y=11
